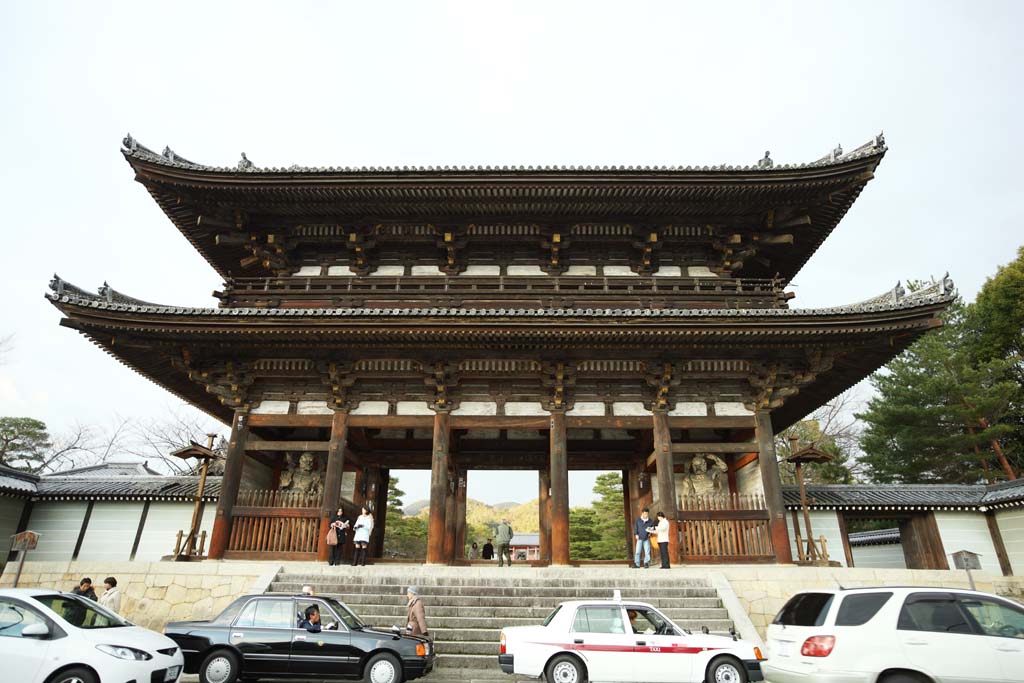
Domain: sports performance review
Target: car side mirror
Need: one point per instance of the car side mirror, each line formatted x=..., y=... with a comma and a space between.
x=40, y=631
x=396, y=632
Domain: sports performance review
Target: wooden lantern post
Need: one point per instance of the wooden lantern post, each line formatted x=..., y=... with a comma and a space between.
x=187, y=550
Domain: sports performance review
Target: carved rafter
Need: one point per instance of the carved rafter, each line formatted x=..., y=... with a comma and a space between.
x=773, y=383
x=339, y=379
x=229, y=381
x=441, y=377
x=555, y=241
x=452, y=240
x=361, y=242
x=559, y=378
x=660, y=377
x=646, y=243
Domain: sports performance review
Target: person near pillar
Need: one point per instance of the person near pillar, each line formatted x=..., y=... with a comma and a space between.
x=474, y=551
x=503, y=535
x=642, y=539
x=340, y=524
x=662, y=531
x=488, y=551
x=361, y=537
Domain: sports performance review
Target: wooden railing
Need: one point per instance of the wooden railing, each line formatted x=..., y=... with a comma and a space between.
x=724, y=528
x=293, y=534
x=277, y=499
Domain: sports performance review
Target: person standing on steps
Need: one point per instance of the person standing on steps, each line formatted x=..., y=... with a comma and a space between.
x=474, y=551
x=341, y=524
x=415, y=613
x=488, y=551
x=663, y=531
x=642, y=539
x=503, y=535
x=111, y=598
x=361, y=539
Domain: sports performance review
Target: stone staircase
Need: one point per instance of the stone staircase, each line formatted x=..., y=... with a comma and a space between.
x=467, y=608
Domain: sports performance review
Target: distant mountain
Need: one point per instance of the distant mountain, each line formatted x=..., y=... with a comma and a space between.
x=413, y=509
x=505, y=506
x=522, y=516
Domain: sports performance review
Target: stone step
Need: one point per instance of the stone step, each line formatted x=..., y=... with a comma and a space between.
x=721, y=623
x=481, y=674
x=496, y=590
x=363, y=601
x=631, y=579
x=483, y=663
x=537, y=614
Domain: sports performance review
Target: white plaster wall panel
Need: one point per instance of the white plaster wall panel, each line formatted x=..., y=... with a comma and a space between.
x=340, y=271
x=731, y=409
x=823, y=523
x=699, y=271
x=57, y=524
x=581, y=270
x=483, y=433
x=669, y=271
x=967, y=531
x=389, y=271
x=618, y=271
x=587, y=409
x=748, y=479
x=427, y=271
x=111, y=531
x=371, y=408
x=888, y=556
x=271, y=408
x=1011, y=528
x=164, y=520
x=476, y=408
x=313, y=408
x=413, y=408
x=629, y=408
x=348, y=485
x=689, y=409
x=482, y=270
x=529, y=271
x=524, y=408
x=10, y=513
x=256, y=475
x=308, y=271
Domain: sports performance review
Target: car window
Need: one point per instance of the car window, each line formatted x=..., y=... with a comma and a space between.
x=273, y=614
x=328, y=619
x=648, y=621
x=859, y=609
x=937, y=613
x=245, y=618
x=598, y=620
x=81, y=612
x=552, y=615
x=15, y=617
x=995, y=618
x=805, y=609
x=348, y=617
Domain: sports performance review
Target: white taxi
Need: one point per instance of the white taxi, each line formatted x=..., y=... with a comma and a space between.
x=616, y=640
x=64, y=638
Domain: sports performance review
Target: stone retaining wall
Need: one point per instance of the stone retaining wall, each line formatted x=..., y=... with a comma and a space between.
x=153, y=593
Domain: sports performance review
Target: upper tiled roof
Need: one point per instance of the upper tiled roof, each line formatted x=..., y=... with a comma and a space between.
x=907, y=496
x=16, y=481
x=134, y=150
x=126, y=488
x=110, y=469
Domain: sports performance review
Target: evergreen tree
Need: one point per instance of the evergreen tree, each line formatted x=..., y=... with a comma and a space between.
x=24, y=444
x=404, y=536
x=583, y=533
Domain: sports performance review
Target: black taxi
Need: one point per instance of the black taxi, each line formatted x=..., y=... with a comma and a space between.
x=289, y=636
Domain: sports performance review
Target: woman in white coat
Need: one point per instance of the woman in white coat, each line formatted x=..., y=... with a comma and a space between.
x=361, y=537
x=111, y=598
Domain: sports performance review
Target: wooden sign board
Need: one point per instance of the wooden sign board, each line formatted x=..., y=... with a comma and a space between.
x=965, y=559
x=26, y=540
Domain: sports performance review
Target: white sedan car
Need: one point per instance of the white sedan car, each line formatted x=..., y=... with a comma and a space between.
x=614, y=640
x=52, y=637
x=896, y=635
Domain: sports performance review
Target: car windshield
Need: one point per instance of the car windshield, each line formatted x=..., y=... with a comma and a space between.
x=552, y=615
x=347, y=616
x=81, y=612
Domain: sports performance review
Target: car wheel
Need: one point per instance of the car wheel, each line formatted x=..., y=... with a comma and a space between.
x=726, y=670
x=220, y=666
x=902, y=678
x=75, y=675
x=382, y=668
x=565, y=669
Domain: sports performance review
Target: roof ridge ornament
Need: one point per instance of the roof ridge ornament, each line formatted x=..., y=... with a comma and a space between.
x=129, y=142
x=244, y=164
x=836, y=153
x=766, y=162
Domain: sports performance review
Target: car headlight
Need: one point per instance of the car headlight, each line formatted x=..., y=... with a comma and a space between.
x=122, y=652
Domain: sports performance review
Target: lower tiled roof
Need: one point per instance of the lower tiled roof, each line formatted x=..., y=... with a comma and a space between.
x=907, y=496
x=154, y=488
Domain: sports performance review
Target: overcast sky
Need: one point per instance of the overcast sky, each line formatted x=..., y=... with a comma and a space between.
x=395, y=83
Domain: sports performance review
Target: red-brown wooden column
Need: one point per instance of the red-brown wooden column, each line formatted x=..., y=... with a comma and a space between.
x=627, y=509
x=438, y=488
x=544, y=514
x=380, y=514
x=451, y=513
x=460, y=516
x=332, y=479
x=666, y=481
x=559, y=491
x=229, y=485
x=772, y=484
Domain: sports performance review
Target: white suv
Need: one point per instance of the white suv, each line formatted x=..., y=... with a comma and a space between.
x=896, y=635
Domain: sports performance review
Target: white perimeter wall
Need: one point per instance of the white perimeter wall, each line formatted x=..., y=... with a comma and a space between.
x=10, y=513
x=823, y=523
x=888, y=556
x=968, y=531
x=58, y=524
x=1011, y=527
x=111, y=531
x=162, y=525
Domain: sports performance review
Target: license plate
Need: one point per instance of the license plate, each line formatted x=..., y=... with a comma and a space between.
x=172, y=674
x=784, y=648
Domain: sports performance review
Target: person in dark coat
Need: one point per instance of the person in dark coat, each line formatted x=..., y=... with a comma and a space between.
x=85, y=589
x=341, y=524
x=642, y=538
x=312, y=621
x=488, y=551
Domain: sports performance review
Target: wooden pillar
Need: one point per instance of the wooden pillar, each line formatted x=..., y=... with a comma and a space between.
x=559, y=491
x=460, y=516
x=997, y=543
x=627, y=511
x=451, y=513
x=845, y=535
x=772, y=486
x=438, y=488
x=635, y=499
x=544, y=514
x=332, y=479
x=666, y=482
x=380, y=513
x=229, y=485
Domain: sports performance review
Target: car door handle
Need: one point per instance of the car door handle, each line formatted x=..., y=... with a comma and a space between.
x=300, y=637
x=1008, y=649
x=238, y=635
x=578, y=641
x=641, y=642
x=916, y=642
